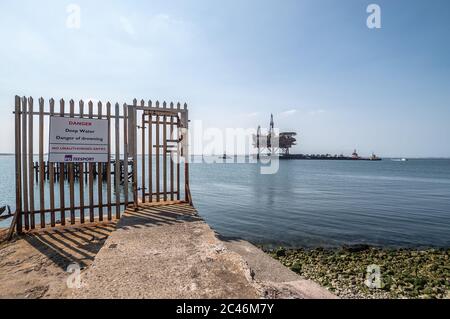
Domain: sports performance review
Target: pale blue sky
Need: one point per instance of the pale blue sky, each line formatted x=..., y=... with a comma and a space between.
x=313, y=63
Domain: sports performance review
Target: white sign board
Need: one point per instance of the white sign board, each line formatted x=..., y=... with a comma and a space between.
x=75, y=140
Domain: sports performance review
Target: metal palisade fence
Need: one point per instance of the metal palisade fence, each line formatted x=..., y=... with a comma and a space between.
x=71, y=191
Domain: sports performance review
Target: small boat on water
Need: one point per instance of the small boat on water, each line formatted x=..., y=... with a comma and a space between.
x=373, y=157
x=224, y=156
x=399, y=159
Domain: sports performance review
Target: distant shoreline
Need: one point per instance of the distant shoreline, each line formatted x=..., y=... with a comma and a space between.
x=384, y=158
x=198, y=155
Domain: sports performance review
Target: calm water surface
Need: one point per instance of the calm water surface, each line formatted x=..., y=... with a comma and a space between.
x=318, y=203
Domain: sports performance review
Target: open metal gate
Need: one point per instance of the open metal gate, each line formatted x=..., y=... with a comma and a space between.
x=160, y=139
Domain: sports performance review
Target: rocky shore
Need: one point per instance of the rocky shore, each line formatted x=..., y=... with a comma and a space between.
x=404, y=273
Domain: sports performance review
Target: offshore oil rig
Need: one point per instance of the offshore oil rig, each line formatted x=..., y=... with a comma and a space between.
x=272, y=144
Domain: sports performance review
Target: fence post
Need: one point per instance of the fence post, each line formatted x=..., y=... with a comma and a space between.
x=157, y=145
x=51, y=169
x=71, y=173
x=117, y=167
x=100, y=175
x=62, y=203
x=171, y=155
x=24, y=163
x=30, y=162
x=178, y=151
x=18, y=166
x=81, y=172
x=165, y=153
x=41, y=162
x=186, y=152
x=108, y=165
x=91, y=174
x=143, y=152
x=133, y=135
x=125, y=152
x=150, y=154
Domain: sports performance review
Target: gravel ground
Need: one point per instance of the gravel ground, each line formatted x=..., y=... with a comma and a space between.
x=405, y=273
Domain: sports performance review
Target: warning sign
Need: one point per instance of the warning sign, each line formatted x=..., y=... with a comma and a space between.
x=78, y=140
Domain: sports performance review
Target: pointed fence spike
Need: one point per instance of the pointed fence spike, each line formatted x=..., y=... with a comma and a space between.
x=81, y=107
x=171, y=105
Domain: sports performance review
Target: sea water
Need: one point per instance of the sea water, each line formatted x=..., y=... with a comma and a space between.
x=311, y=203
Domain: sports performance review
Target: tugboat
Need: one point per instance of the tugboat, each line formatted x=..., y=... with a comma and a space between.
x=374, y=157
